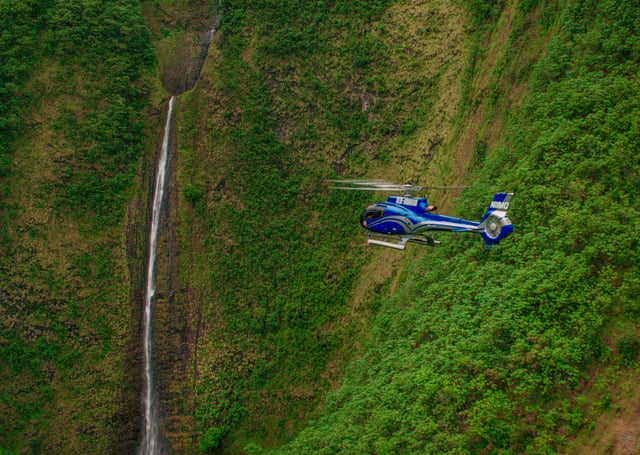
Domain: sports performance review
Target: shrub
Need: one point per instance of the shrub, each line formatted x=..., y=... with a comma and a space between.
x=628, y=348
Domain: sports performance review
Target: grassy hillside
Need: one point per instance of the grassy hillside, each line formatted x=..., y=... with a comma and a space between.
x=74, y=84
x=292, y=94
x=532, y=348
x=278, y=330
x=465, y=351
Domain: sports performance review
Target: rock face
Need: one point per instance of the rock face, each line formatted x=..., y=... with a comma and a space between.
x=186, y=70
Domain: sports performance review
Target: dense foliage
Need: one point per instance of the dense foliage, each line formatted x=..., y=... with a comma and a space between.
x=110, y=42
x=72, y=85
x=20, y=22
x=282, y=282
x=277, y=335
x=299, y=92
x=492, y=352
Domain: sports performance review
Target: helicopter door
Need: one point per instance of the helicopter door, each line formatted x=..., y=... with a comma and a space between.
x=371, y=213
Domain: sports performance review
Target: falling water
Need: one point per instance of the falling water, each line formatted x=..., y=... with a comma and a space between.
x=150, y=444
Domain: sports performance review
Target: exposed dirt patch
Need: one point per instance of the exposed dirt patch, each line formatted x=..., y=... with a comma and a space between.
x=617, y=431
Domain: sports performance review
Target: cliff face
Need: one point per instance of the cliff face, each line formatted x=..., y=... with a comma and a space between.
x=294, y=326
x=69, y=266
x=270, y=287
x=275, y=326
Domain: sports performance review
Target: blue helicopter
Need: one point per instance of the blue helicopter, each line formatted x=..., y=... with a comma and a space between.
x=403, y=219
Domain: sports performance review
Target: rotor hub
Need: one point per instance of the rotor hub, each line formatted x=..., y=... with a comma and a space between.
x=493, y=227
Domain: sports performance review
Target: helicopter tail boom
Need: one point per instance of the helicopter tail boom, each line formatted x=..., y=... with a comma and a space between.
x=495, y=223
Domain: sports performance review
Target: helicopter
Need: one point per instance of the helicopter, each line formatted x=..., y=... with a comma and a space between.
x=404, y=219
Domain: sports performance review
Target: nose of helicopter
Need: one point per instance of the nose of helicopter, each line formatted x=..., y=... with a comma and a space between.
x=370, y=213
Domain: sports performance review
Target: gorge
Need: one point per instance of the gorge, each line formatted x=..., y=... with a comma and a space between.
x=274, y=328
x=186, y=78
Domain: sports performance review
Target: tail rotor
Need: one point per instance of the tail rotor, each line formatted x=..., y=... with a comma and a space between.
x=495, y=222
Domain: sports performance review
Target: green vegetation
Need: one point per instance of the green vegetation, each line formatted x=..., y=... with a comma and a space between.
x=110, y=42
x=468, y=351
x=277, y=330
x=493, y=353
x=20, y=24
x=72, y=80
x=271, y=254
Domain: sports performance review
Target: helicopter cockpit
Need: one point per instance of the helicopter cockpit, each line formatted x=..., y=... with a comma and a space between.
x=370, y=213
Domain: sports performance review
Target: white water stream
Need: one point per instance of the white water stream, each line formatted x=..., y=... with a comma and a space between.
x=150, y=441
x=150, y=435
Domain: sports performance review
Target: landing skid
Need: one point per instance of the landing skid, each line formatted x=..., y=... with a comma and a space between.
x=424, y=240
x=397, y=246
x=400, y=242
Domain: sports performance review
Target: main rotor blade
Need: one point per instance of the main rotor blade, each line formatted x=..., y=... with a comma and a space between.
x=383, y=185
x=363, y=182
x=374, y=185
x=368, y=188
x=446, y=187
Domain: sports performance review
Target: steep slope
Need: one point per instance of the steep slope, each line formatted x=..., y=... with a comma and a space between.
x=277, y=330
x=292, y=94
x=67, y=276
x=473, y=351
x=520, y=349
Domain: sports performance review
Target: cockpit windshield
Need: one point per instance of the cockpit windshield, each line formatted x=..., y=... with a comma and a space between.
x=370, y=213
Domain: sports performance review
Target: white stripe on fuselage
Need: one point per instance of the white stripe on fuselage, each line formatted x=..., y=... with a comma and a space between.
x=444, y=225
x=410, y=228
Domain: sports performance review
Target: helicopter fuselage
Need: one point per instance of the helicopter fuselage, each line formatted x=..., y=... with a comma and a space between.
x=401, y=215
x=403, y=219
x=408, y=218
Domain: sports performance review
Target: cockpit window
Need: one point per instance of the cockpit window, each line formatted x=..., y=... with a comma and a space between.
x=370, y=213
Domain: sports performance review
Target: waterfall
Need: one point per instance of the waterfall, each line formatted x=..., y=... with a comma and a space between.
x=150, y=444
x=150, y=441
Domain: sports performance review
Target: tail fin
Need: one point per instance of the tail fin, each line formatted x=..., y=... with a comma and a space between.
x=495, y=223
